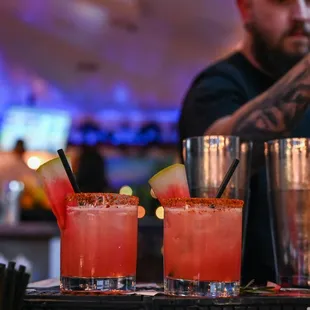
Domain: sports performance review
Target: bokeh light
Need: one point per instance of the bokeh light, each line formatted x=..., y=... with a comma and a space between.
x=160, y=212
x=141, y=212
x=34, y=162
x=126, y=190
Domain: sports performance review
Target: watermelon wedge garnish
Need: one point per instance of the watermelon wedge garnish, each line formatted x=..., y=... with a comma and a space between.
x=170, y=182
x=57, y=186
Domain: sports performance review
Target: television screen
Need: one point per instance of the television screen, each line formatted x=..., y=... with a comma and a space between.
x=41, y=129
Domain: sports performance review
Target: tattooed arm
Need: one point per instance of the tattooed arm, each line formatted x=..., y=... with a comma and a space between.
x=274, y=113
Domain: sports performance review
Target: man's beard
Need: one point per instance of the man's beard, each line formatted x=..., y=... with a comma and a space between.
x=273, y=60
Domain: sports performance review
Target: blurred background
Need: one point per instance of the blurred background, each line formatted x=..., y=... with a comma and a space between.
x=105, y=74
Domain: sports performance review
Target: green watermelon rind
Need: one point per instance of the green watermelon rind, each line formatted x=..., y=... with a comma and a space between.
x=162, y=190
x=54, y=161
x=164, y=171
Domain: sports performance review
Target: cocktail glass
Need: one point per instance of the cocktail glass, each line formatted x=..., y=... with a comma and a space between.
x=99, y=243
x=202, y=246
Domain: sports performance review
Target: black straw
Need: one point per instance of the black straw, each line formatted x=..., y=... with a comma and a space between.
x=13, y=285
x=227, y=178
x=19, y=288
x=69, y=172
x=9, y=287
x=23, y=284
x=2, y=281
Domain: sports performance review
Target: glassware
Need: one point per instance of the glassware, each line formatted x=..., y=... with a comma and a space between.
x=202, y=246
x=207, y=160
x=288, y=179
x=99, y=243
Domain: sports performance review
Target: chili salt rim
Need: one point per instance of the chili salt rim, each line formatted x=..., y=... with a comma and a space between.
x=108, y=199
x=208, y=202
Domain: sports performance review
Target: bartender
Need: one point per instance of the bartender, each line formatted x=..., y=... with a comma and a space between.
x=260, y=92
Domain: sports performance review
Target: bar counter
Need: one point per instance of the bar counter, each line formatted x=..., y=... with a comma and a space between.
x=29, y=230
x=32, y=244
x=49, y=299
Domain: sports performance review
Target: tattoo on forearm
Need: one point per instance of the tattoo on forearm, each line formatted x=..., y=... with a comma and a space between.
x=276, y=113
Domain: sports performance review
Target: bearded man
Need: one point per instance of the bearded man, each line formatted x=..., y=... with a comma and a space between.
x=260, y=92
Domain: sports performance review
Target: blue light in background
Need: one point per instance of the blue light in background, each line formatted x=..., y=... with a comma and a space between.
x=14, y=92
x=91, y=138
x=76, y=137
x=121, y=94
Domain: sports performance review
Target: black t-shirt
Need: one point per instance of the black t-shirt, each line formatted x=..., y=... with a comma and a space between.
x=219, y=91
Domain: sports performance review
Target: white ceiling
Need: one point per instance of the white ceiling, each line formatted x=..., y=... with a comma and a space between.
x=93, y=55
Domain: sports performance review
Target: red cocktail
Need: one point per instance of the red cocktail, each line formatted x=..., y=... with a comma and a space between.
x=202, y=246
x=99, y=243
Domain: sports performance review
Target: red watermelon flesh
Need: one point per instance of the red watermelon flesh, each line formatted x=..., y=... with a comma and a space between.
x=57, y=186
x=170, y=182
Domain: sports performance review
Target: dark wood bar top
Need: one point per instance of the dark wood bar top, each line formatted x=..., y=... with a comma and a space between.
x=51, y=298
x=29, y=230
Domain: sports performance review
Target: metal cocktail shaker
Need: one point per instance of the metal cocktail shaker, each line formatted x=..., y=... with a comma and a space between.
x=288, y=176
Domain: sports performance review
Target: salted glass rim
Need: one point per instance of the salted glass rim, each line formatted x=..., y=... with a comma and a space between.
x=202, y=202
x=102, y=199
